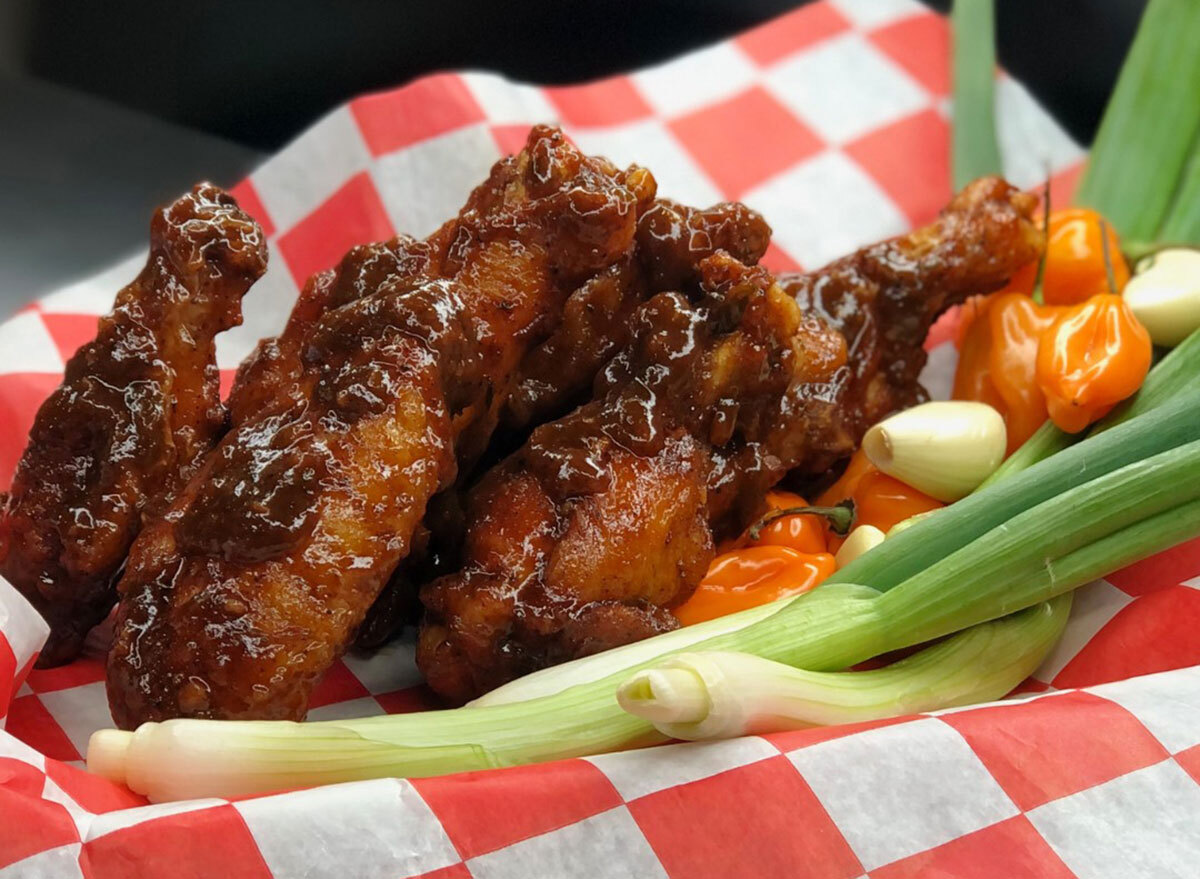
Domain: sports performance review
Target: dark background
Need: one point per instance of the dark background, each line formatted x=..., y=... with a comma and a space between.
x=107, y=108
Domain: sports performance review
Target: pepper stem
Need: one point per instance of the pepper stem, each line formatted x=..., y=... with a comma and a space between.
x=1036, y=294
x=1108, y=266
x=840, y=517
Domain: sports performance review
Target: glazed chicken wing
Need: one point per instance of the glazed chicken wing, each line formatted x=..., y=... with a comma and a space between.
x=137, y=409
x=588, y=535
x=671, y=242
x=884, y=298
x=238, y=599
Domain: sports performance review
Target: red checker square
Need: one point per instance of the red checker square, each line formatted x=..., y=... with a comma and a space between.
x=70, y=332
x=910, y=159
x=1064, y=183
x=763, y=814
x=1162, y=571
x=779, y=260
x=510, y=138
x=350, y=216
x=10, y=675
x=803, y=738
x=1190, y=761
x=20, y=396
x=338, y=685
x=84, y=670
x=30, y=722
x=789, y=33
x=92, y=792
x=485, y=811
x=29, y=825
x=944, y=329
x=1156, y=632
x=1053, y=747
x=454, y=871
x=249, y=201
x=186, y=845
x=227, y=377
x=424, y=109
x=408, y=700
x=1011, y=849
x=921, y=45
x=19, y=777
x=612, y=101
x=716, y=138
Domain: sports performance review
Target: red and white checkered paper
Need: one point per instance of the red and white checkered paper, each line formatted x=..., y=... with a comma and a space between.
x=832, y=121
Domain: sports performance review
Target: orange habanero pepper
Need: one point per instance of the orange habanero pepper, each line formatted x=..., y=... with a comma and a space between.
x=1075, y=269
x=803, y=533
x=998, y=357
x=1092, y=357
x=752, y=576
x=1017, y=324
x=879, y=499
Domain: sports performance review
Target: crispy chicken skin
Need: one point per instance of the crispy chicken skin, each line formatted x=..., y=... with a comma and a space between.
x=137, y=409
x=238, y=599
x=587, y=536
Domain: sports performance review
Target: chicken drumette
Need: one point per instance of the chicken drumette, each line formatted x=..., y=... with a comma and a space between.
x=138, y=408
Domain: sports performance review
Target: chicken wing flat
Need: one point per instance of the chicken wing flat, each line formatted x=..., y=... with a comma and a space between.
x=588, y=535
x=238, y=599
x=137, y=409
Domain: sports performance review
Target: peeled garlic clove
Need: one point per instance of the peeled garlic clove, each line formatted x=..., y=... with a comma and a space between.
x=1164, y=295
x=944, y=449
x=861, y=539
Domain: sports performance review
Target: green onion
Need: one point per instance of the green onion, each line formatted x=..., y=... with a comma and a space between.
x=1182, y=224
x=1151, y=123
x=1050, y=547
x=715, y=695
x=974, y=150
x=1017, y=552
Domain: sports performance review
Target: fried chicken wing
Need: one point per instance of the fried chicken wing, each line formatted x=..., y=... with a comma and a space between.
x=884, y=298
x=137, y=409
x=588, y=535
x=238, y=599
x=558, y=374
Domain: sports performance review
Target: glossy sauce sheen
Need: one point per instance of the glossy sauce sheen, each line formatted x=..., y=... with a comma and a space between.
x=138, y=408
x=605, y=519
x=395, y=366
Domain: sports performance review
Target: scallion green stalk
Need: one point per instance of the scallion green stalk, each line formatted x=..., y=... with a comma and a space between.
x=713, y=695
x=974, y=150
x=1150, y=125
x=1182, y=224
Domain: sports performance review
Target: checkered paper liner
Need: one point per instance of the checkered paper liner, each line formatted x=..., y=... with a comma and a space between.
x=832, y=121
